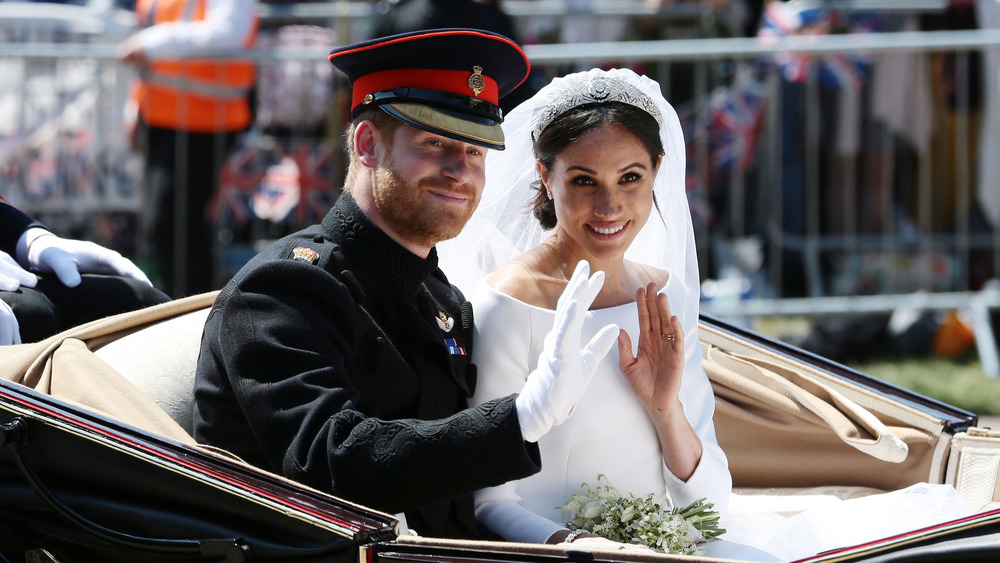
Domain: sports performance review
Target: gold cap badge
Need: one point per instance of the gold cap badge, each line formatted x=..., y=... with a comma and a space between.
x=476, y=81
x=305, y=254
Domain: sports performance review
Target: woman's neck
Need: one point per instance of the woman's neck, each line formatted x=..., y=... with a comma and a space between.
x=617, y=289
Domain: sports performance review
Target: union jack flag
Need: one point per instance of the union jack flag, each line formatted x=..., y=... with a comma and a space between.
x=237, y=181
x=282, y=180
x=735, y=124
x=782, y=19
x=728, y=126
x=316, y=161
x=721, y=139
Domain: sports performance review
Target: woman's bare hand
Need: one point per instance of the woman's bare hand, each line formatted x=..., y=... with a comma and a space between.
x=654, y=373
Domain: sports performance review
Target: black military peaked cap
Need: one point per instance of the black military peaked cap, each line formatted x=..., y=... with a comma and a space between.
x=447, y=81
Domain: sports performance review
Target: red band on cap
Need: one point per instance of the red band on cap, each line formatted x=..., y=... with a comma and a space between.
x=452, y=81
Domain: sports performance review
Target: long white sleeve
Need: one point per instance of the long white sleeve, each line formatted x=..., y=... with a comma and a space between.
x=500, y=510
x=226, y=26
x=711, y=479
x=503, y=355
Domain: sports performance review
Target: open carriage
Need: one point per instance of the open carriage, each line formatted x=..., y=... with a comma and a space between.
x=96, y=463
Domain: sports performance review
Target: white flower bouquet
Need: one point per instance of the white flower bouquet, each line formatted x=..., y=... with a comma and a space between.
x=604, y=511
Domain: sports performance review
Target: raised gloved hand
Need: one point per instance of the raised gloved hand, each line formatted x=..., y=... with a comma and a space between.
x=68, y=258
x=564, y=368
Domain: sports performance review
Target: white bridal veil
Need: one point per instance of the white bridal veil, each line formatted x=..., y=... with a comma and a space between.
x=503, y=226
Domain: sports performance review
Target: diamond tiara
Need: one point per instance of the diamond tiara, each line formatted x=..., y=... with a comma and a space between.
x=595, y=91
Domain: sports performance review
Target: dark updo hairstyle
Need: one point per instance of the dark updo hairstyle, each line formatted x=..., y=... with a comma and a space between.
x=574, y=124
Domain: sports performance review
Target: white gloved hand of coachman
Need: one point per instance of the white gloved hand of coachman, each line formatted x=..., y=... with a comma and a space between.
x=68, y=258
x=43, y=252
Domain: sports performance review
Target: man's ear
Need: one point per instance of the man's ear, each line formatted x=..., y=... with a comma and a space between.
x=366, y=143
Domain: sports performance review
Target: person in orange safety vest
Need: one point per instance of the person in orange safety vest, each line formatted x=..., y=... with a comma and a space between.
x=184, y=112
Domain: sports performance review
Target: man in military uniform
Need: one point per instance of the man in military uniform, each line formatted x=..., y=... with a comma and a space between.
x=339, y=356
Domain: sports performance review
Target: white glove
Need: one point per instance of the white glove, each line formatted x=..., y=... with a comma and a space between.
x=10, y=332
x=68, y=258
x=12, y=275
x=564, y=369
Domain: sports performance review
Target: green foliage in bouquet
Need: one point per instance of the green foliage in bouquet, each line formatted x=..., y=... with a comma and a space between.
x=604, y=511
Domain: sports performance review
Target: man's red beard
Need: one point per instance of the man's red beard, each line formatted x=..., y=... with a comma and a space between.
x=409, y=213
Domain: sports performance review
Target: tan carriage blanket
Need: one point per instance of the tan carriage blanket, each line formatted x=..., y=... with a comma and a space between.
x=67, y=366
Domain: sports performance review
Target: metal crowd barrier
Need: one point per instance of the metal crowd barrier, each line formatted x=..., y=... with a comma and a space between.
x=809, y=199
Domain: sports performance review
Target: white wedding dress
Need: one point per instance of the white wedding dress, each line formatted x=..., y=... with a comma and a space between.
x=609, y=432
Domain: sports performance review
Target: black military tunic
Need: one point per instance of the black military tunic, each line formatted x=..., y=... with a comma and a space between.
x=13, y=223
x=341, y=360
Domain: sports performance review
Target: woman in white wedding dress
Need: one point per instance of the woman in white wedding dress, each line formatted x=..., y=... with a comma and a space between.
x=595, y=170
x=606, y=142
